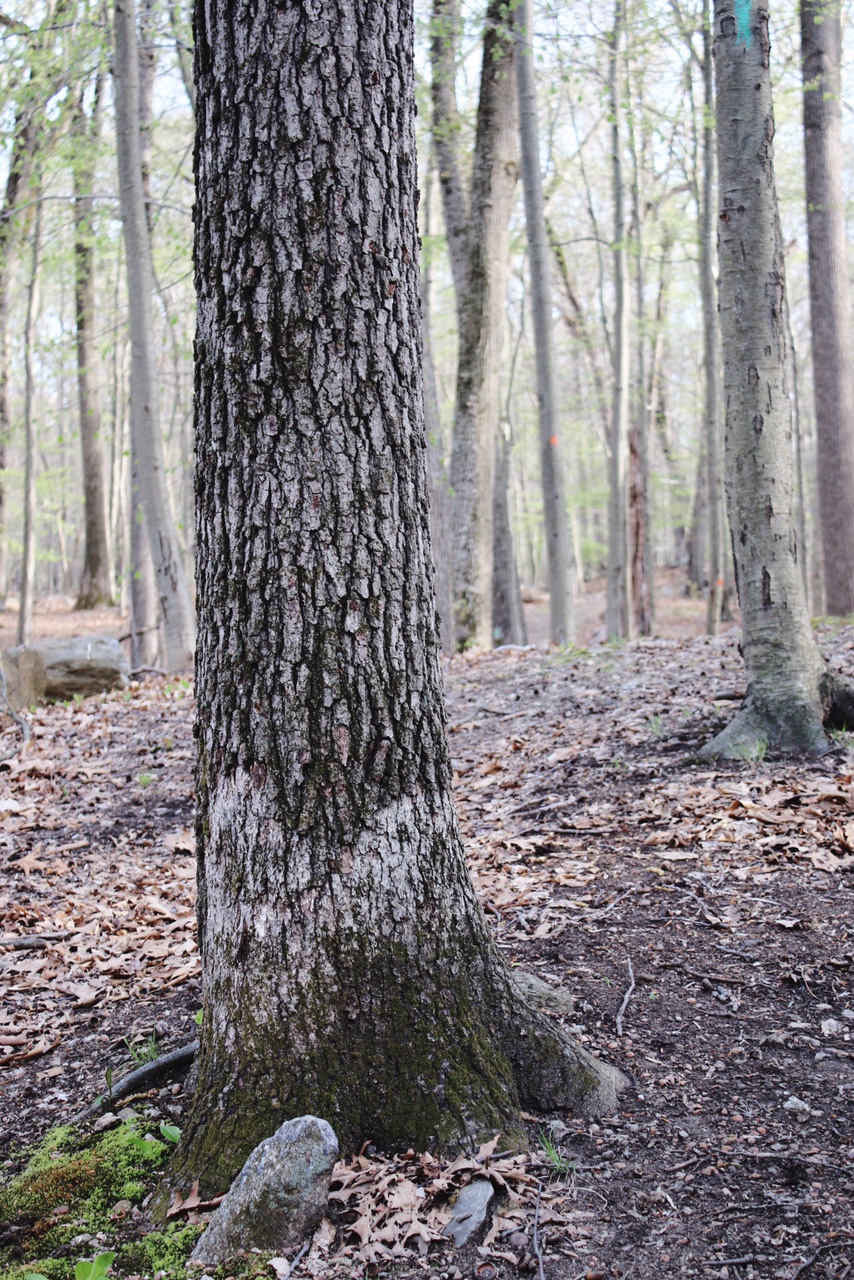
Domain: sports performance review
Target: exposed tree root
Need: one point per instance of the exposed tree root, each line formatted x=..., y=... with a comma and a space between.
x=791, y=730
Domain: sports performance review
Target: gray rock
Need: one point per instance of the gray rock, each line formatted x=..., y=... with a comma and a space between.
x=127, y=1113
x=470, y=1211
x=104, y=1122
x=56, y=670
x=278, y=1198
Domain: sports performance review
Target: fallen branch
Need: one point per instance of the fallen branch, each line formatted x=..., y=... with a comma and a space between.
x=141, y=1079
x=32, y=941
x=626, y=998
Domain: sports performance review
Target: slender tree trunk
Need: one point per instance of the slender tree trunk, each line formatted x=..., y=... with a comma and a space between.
x=558, y=543
x=696, y=574
x=348, y=969
x=183, y=52
x=176, y=612
x=798, y=454
x=96, y=585
x=28, y=555
x=17, y=182
x=481, y=333
x=618, y=614
x=508, y=618
x=444, y=36
x=830, y=300
x=789, y=691
x=711, y=339
x=437, y=471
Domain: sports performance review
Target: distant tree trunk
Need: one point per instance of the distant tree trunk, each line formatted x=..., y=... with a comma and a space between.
x=790, y=693
x=830, y=297
x=558, y=543
x=508, y=618
x=711, y=339
x=17, y=182
x=348, y=969
x=183, y=51
x=28, y=555
x=437, y=471
x=797, y=439
x=176, y=613
x=618, y=614
x=481, y=309
x=696, y=539
x=96, y=584
x=641, y=581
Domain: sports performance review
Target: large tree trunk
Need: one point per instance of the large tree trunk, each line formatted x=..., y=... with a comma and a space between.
x=830, y=298
x=176, y=611
x=558, y=544
x=481, y=333
x=348, y=969
x=617, y=612
x=711, y=339
x=96, y=584
x=28, y=554
x=789, y=693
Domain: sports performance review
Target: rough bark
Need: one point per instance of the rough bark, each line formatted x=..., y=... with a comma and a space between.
x=617, y=612
x=789, y=692
x=28, y=554
x=508, y=619
x=444, y=34
x=175, y=607
x=558, y=545
x=830, y=302
x=711, y=340
x=481, y=331
x=348, y=970
x=96, y=584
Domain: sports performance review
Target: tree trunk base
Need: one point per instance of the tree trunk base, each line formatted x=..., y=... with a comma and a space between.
x=528, y=1062
x=797, y=730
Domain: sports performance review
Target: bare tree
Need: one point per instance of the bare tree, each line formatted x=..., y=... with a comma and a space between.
x=176, y=611
x=790, y=692
x=28, y=554
x=830, y=298
x=333, y=889
x=558, y=544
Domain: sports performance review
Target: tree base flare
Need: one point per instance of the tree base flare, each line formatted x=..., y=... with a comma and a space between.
x=444, y=1105
x=793, y=730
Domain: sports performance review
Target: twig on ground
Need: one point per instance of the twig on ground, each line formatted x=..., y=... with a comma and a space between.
x=536, y=1237
x=728, y=1262
x=141, y=1079
x=298, y=1259
x=626, y=998
x=805, y=1266
x=32, y=941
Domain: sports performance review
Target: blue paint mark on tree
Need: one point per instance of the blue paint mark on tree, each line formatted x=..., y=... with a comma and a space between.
x=742, y=17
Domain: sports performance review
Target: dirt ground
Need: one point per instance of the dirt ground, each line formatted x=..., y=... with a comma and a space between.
x=700, y=915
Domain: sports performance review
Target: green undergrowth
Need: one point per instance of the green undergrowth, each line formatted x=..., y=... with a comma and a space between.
x=72, y=1186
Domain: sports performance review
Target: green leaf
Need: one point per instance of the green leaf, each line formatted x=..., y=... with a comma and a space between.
x=34, y=1275
x=170, y=1132
x=96, y=1269
x=198, y=1017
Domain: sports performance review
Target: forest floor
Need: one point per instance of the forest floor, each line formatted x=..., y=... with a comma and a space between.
x=613, y=863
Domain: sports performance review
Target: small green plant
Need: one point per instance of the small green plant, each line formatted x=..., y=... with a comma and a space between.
x=147, y=1051
x=170, y=1132
x=558, y=1161
x=96, y=1269
x=751, y=752
x=199, y=1017
x=655, y=726
x=843, y=738
x=145, y=780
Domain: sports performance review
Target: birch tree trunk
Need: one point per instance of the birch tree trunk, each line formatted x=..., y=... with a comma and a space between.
x=711, y=339
x=790, y=694
x=176, y=611
x=830, y=300
x=348, y=970
x=28, y=554
x=481, y=333
x=558, y=544
x=617, y=611
x=96, y=583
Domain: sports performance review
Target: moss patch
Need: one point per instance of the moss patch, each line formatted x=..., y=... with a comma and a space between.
x=69, y=1188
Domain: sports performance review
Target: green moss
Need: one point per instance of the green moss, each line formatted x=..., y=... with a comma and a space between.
x=85, y=1176
x=164, y=1251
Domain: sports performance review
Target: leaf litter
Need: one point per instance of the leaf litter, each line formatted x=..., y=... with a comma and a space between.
x=596, y=837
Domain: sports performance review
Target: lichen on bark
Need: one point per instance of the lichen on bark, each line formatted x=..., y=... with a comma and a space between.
x=348, y=969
